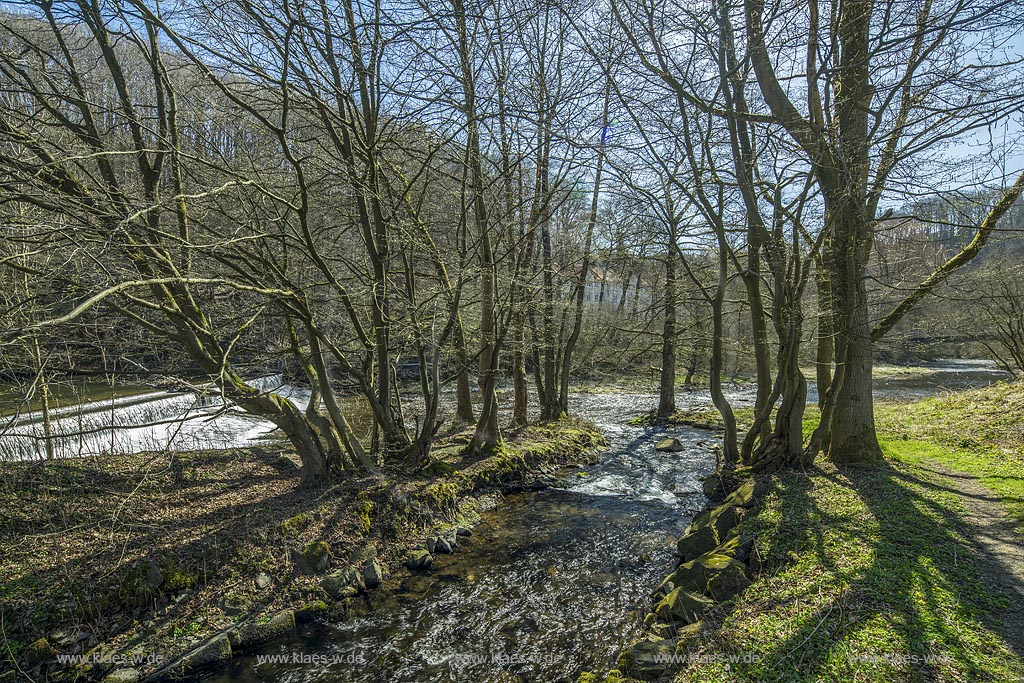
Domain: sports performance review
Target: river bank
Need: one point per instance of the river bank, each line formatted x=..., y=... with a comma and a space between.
x=911, y=569
x=552, y=583
x=151, y=554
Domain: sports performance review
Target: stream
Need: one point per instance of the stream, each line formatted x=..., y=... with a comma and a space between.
x=551, y=583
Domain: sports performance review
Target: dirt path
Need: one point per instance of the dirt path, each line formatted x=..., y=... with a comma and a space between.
x=1000, y=553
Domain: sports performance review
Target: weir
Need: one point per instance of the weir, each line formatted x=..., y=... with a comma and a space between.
x=157, y=420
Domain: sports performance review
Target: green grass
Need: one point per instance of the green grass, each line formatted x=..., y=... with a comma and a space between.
x=865, y=575
x=864, y=580
x=979, y=432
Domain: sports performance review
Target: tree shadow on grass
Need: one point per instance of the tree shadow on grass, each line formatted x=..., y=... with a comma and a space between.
x=891, y=581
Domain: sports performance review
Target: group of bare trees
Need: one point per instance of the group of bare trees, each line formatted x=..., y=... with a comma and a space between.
x=481, y=188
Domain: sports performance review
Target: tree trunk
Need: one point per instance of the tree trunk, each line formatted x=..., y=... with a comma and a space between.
x=851, y=426
x=825, y=351
x=463, y=396
x=667, y=384
x=520, y=390
x=730, y=450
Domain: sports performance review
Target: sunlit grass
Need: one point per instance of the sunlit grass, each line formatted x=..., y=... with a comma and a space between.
x=865, y=580
x=867, y=575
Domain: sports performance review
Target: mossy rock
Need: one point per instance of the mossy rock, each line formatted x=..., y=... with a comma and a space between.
x=346, y=583
x=364, y=510
x=732, y=579
x=38, y=652
x=648, y=659
x=685, y=635
x=714, y=487
x=213, y=651
x=697, y=542
x=256, y=632
x=373, y=574
x=311, y=611
x=438, y=468
x=736, y=546
x=707, y=531
x=177, y=579
x=669, y=444
x=419, y=559
x=682, y=606
x=315, y=557
x=745, y=495
x=696, y=576
x=293, y=525
x=128, y=675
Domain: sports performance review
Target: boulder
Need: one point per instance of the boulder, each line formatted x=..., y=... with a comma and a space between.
x=744, y=496
x=696, y=576
x=681, y=606
x=314, y=558
x=373, y=574
x=707, y=531
x=669, y=444
x=361, y=554
x=217, y=649
x=732, y=579
x=736, y=546
x=233, y=605
x=683, y=634
x=648, y=659
x=463, y=531
x=696, y=542
x=311, y=611
x=263, y=581
x=255, y=632
x=343, y=584
x=128, y=675
x=419, y=559
x=714, y=488
x=37, y=653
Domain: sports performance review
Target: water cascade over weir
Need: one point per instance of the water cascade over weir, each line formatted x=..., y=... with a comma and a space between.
x=152, y=421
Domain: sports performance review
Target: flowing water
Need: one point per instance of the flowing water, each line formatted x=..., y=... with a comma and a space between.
x=159, y=420
x=551, y=583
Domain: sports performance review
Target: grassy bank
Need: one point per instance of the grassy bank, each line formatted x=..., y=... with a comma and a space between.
x=874, y=573
x=979, y=432
x=153, y=552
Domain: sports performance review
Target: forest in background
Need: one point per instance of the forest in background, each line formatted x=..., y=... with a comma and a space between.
x=405, y=198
